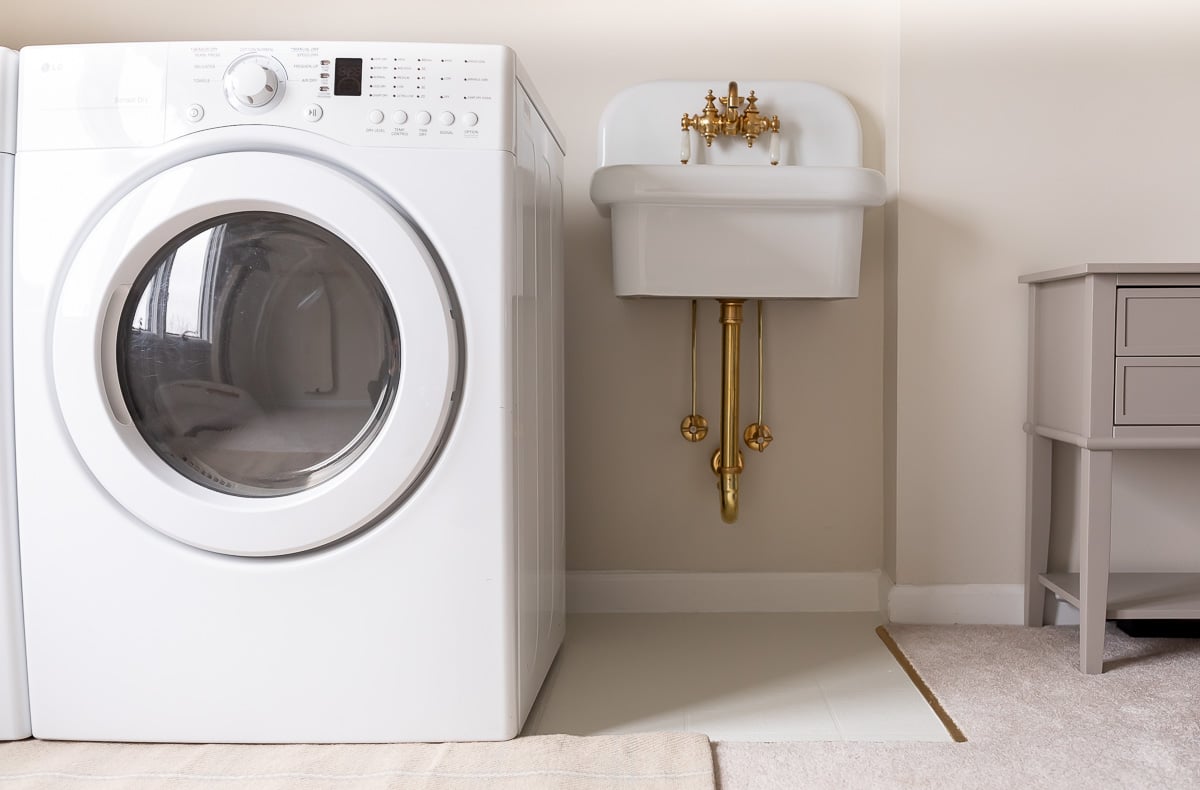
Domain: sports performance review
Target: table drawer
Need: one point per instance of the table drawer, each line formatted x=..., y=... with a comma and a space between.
x=1158, y=322
x=1157, y=391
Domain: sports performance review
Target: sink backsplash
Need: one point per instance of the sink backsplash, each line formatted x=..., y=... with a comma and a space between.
x=818, y=126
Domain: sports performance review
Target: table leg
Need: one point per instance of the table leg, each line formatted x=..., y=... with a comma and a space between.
x=1038, y=456
x=1095, y=509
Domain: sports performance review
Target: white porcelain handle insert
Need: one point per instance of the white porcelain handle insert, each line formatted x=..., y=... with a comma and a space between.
x=685, y=146
x=774, y=148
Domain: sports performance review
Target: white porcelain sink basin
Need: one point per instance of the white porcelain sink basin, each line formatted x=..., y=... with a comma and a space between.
x=729, y=225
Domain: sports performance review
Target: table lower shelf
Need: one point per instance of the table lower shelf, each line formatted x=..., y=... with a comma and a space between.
x=1137, y=596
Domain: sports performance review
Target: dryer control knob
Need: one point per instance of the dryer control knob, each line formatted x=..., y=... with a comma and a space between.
x=253, y=82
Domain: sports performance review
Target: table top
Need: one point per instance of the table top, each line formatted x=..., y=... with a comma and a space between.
x=1083, y=269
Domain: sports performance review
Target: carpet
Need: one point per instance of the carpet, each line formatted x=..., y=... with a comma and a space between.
x=655, y=761
x=1030, y=719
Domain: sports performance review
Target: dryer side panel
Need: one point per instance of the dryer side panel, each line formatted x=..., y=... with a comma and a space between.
x=14, y=694
x=8, y=105
x=539, y=398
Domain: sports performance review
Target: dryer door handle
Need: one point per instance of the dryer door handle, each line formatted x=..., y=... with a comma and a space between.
x=108, y=354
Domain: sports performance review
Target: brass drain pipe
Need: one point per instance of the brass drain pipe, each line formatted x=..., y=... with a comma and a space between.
x=727, y=463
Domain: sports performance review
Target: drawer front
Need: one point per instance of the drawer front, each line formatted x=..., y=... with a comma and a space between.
x=1158, y=322
x=1157, y=391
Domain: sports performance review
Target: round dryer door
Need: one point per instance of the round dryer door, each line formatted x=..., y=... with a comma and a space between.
x=256, y=354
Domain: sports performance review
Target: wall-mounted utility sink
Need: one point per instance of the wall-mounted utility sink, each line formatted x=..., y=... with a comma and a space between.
x=729, y=224
x=720, y=217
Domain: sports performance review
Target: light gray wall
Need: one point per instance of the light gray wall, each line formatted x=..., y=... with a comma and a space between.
x=1032, y=135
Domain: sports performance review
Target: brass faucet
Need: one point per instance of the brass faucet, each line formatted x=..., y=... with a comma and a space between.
x=729, y=121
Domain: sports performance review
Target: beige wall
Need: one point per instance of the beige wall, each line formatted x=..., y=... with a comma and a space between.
x=1020, y=136
x=1032, y=135
x=638, y=496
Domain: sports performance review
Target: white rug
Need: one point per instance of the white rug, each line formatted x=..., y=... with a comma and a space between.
x=655, y=761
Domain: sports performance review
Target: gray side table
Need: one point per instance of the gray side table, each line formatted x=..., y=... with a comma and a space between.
x=1114, y=364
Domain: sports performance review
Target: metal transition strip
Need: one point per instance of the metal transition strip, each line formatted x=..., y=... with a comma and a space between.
x=919, y=682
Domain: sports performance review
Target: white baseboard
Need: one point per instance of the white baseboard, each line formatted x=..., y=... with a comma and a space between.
x=654, y=591
x=859, y=591
x=942, y=604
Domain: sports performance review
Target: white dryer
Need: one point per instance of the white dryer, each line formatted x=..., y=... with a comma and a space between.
x=14, y=698
x=288, y=391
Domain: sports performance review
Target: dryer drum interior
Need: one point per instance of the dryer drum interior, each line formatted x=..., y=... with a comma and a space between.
x=258, y=354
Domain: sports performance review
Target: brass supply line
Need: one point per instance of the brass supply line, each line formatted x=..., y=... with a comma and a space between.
x=727, y=462
x=758, y=433
x=694, y=427
x=729, y=120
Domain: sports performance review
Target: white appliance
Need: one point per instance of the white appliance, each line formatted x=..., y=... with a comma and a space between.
x=14, y=697
x=289, y=391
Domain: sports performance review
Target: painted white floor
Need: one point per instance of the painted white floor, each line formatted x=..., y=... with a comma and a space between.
x=733, y=677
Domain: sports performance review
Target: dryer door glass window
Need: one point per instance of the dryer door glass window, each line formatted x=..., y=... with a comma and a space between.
x=258, y=354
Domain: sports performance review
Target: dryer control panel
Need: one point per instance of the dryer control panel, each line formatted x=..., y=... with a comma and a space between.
x=460, y=96
x=411, y=95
